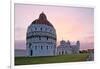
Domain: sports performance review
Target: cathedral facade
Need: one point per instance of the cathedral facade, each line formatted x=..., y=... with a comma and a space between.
x=68, y=48
x=41, y=40
x=41, y=37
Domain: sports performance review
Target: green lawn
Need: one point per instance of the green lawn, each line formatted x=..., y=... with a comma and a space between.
x=50, y=59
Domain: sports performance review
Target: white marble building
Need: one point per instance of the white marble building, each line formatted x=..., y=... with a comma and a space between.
x=41, y=40
x=67, y=48
x=41, y=37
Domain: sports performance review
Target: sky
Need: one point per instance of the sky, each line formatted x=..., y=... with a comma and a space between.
x=71, y=23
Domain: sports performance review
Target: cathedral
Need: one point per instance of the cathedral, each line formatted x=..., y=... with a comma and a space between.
x=68, y=48
x=41, y=40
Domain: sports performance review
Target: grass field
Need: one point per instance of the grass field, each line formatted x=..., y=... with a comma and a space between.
x=50, y=59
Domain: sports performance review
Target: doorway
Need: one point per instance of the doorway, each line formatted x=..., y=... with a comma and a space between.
x=31, y=52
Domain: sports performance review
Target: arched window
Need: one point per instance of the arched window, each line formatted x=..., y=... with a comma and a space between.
x=35, y=28
x=59, y=53
x=35, y=47
x=41, y=29
x=39, y=37
x=29, y=45
x=41, y=47
x=47, y=47
x=62, y=52
x=31, y=52
x=47, y=38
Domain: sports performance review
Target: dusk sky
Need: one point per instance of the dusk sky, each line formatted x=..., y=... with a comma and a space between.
x=71, y=23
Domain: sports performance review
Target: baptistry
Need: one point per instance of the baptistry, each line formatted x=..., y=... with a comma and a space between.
x=41, y=38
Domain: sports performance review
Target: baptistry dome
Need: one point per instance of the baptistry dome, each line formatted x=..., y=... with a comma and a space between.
x=41, y=37
x=42, y=20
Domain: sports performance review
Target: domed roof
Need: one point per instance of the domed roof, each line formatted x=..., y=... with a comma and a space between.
x=42, y=20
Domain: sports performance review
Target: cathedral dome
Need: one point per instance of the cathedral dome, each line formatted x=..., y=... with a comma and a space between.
x=42, y=20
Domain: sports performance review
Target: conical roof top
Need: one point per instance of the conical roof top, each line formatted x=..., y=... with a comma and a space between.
x=42, y=20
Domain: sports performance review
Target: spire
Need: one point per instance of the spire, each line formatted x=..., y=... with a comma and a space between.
x=68, y=42
x=78, y=42
x=42, y=16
